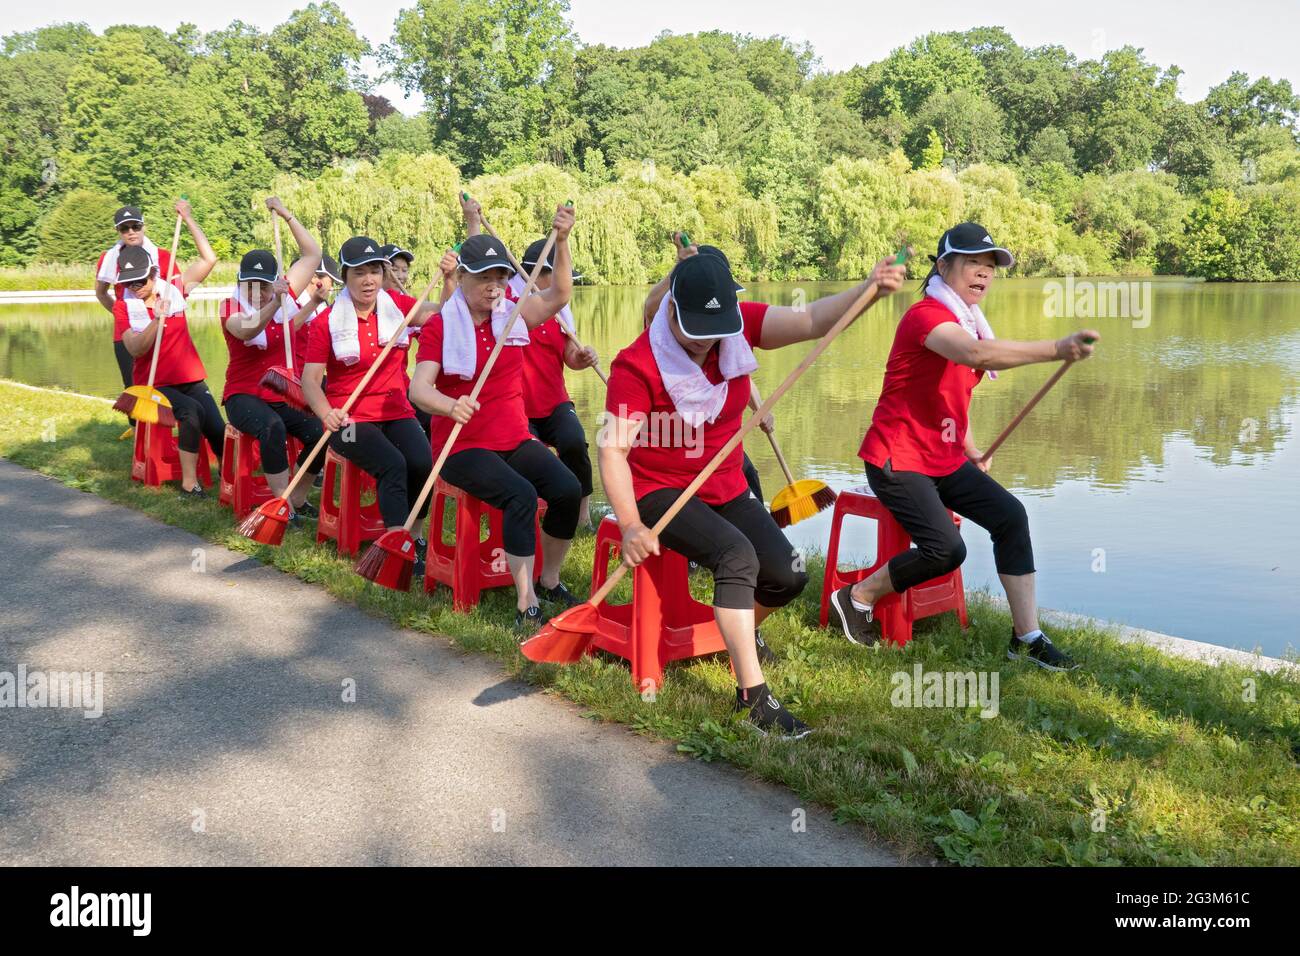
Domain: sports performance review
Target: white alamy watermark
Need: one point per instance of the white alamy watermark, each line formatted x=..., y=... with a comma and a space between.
x=654, y=430
x=957, y=689
x=133, y=910
x=76, y=690
x=1091, y=299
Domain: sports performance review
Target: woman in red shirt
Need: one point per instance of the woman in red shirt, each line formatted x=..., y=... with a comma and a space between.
x=254, y=324
x=130, y=226
x=676, y=396
x=496, y=458
x=180, y=371
x=380, y=433
x=921, y=459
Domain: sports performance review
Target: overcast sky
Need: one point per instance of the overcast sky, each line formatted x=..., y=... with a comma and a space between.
x=1207, y=39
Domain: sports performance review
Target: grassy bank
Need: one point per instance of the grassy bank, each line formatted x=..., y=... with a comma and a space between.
x=1136, y=759
x=47, y=276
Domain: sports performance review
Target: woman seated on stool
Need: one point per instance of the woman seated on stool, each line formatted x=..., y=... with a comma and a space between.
x=685, y=381
x=495, y=457
x=180, y=372
x=921, y=458
x=380, y=434
x=254, y=325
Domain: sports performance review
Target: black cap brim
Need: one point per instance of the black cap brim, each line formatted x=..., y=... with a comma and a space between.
x=1002, y=257
x=126, y=278
x=491, y=262
x=705, y=325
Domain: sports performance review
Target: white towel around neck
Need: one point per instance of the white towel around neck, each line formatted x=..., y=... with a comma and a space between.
x=169, y=297
x=969, y=317
x=245, y=308
x=517, y=286
x=459, y=351
x=343, y=326
x=108, y=268
x=697, y=400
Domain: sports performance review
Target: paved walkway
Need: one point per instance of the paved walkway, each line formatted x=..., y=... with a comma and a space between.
x=224, y=738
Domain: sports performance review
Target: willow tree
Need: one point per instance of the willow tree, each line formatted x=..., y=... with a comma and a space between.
x=860, y=203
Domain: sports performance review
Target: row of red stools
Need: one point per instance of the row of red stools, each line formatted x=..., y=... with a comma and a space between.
x=661, y=624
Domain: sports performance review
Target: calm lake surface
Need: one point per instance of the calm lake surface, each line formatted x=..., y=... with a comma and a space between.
x=1160, y=476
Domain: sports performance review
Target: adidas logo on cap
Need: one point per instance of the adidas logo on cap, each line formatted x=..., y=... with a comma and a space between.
x=491, y=252
x=370, y=248
x=989, y=240
x=713, y=303
x=258, y=266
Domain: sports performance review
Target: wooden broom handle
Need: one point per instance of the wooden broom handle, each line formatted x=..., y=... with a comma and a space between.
x=478, y=385
x=1029, y=407
x=361, y=385
x=288, y=316
x=564, y=326
x=164, y=297
x=776, y=449
x=860, y=304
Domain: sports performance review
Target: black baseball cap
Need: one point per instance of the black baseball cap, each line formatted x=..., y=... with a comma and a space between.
x=329, y=266
x=127, y=214
x=133, y=264
x=258, y=265
x=704, y=294
x=972, y=239
x=534, y=252
x=705, y=250
x=360, y=250
x=482, y=252
x=393, y=251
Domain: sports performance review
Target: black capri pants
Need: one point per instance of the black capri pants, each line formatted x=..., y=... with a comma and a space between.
x=512, y=481
x=270, y=423
x=563, y=431
x=919, y=501
x=751, y=559
x=125, y=363
x=397, y=455
x=751, y=477
x=197, y=416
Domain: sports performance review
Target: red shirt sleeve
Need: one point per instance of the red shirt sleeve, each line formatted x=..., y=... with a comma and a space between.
x=752, y=314
x=431, y=340
x=917, y=324
x=120, y=321
x=628, y=392
x=318, y=340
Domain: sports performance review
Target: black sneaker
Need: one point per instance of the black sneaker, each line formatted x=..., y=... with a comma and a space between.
x=527, y=622
x=558, y=595
x=1041, y=652
x=421, y=549
x=765, y=654
x=859, y=626
x=306, y=510
x=319, y=480
x=194, y=494
x=770, y=718
x=417, y=572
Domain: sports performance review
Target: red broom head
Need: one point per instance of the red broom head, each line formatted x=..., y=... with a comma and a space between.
x=824, y=498
x=267, y=524
x=166, y=418
x=564, y=638
x=390, y=562
x=125, y=403
x=285, y=384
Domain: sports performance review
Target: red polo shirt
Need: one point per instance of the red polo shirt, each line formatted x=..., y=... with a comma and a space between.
x=178, y=362
x=164, y=261
x=921, y=419
x=384, y=399
x=660, y=459
x=500, y=424
x=544, y=369
x=248, y=363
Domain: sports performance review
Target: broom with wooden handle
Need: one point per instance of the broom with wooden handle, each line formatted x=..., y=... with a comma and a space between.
x=564, y=326
x=566, y=637
x=390, y=561
x=1029, y=406
x=144, y=403
x=268, y=523
x=798, y=499
x=284, y=380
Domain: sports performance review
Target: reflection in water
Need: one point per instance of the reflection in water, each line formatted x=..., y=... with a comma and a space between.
x=1171, y=451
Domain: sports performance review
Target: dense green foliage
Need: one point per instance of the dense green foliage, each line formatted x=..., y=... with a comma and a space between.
x=1084, y=166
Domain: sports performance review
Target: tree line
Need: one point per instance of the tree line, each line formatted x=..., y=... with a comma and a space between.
x=1081, y=166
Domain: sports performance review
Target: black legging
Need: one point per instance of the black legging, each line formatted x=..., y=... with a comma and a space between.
x=270, y=423
x=397, y=455
x=921, y=504
x=749, y=556
x=563, y=432
x=125, y=362
x=751, y=477
x=513, y=481
x=197, y=416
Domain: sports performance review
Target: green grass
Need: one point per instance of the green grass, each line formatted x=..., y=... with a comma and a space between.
x=60, y=276
x=1185, y=769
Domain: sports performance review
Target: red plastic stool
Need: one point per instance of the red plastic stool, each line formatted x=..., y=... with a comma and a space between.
x=471, y=563
x=346, y=521
x=896, y=613
x=241, y=489
x=162, y=460
x=663, y=623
